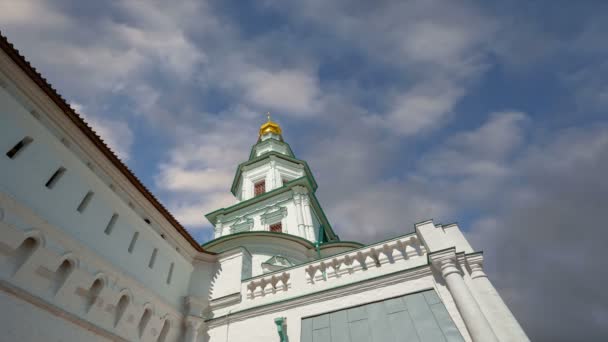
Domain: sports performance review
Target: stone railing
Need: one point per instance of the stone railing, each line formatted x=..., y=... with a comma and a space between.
x=277, y=282
x=372, y=260
x=362, y=260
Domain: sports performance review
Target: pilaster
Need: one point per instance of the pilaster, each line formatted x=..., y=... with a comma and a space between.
x=446, y=262
x=504, y=323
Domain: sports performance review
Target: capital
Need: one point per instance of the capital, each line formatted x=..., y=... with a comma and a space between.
x=445, y=261
x=475, y=262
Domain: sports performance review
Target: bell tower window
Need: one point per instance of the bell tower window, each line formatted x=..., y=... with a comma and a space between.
x=259, y=188
x=277, y=227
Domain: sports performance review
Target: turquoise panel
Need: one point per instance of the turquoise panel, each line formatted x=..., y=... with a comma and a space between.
x=339, y=324
x=402, y=327
x=424, y=320
x=306, y=335
x=448, y=328
x=418, y=317
x=359, y=331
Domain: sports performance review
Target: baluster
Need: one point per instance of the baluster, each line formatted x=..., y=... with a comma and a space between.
x=386, y=255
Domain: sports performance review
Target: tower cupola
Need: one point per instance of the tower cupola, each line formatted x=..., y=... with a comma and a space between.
x=270, y=129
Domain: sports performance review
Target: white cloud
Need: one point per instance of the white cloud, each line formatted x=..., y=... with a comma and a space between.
x=292, y=91
x=179, y=179
x=115, y=133
x=422, y=108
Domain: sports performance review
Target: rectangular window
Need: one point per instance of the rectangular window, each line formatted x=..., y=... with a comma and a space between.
x=277, y=227
x=55, y=178
x=153, y=258
x=170, y=275
x=85, y=202
x=20, y=146
x=133, y=241
x=259, y=188
x=111, y=224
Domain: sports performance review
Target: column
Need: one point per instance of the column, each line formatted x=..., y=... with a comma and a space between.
x=193, y=324
x=297, y=199
x=476, y=323
x=307, y=217
x=505, y=324
x=273, y=175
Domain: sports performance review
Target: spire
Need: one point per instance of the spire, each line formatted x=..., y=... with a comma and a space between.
x=270, y=127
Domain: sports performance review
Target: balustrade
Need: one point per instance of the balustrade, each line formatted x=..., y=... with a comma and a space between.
x=339, y=266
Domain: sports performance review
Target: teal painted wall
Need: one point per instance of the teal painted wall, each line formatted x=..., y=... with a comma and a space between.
x=415, y=317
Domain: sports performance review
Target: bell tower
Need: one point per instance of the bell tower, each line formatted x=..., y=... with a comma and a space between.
x=276, y=193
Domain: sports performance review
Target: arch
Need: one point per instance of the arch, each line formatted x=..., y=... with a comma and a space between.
x=95, y=290
x=63, y=271
x=164, y=331
x=32, y=241
x=122, y=305
x=145, y=318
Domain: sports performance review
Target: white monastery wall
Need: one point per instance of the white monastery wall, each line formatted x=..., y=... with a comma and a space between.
x=45, y=267
x=32, y=167
x=23, y=321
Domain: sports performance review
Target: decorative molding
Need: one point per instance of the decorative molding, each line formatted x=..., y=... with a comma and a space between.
x=225, y=301
x=242, y=224
x=273, y=214
x=475, y=263
x=445, y=261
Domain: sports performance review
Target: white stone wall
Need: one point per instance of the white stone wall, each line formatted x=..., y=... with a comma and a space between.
x=41, y=265
x=23, y=321
x=24, y=178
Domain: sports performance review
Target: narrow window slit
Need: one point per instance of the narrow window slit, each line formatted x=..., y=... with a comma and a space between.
x=153, y=258
x=55, y=178
x=19, y=147
x=111, y=224
x=85, y=202
x=133, y=241
x=170, y=275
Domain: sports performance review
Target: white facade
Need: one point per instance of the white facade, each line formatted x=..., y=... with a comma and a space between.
x=87, y=254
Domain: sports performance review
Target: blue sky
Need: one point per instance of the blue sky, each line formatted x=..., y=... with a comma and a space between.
x=492, y=114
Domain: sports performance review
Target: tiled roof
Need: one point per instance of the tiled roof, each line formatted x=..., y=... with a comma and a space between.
x=48, y=89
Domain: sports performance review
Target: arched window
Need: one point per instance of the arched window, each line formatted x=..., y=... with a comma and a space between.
x=94, y=292
x=143, y=322
x=164, y=331
x=24, y=252
x=121, y=307
x=62, y=273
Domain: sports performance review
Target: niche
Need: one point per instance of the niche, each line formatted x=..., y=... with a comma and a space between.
x=24, y=252
x=143, y=322
x=121, y=308
x=93, y=293
x=164, y=331
x=63, y=272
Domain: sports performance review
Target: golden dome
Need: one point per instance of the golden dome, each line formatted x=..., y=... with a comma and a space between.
x=270, y=127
